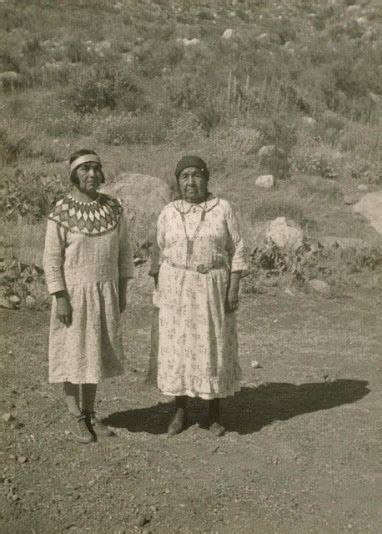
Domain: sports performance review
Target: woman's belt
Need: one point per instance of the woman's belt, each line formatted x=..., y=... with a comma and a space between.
x=201, y=269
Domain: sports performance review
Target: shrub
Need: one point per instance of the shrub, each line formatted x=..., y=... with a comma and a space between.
x=77, y=52
x=107, y=89
x=31, y=51
x=92, y=96
x=128, y=128
x=29, y=196
x=274, y=266
x=12, y=147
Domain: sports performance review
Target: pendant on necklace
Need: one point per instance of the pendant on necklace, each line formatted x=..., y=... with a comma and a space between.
x=190, y=248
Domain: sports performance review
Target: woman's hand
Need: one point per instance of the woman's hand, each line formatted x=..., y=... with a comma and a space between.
x=122, y=302
x=232, y=299
x=122, y=294
x=64, y=309
x=155, y=276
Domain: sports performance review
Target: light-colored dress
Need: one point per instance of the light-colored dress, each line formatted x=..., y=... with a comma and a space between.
x=87, y=252
x=200, y=245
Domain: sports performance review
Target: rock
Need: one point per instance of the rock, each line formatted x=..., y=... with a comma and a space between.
x=263, y=38
x=191, y=42
x=265, y=181
x=4, y=303
x=267, y=151
x=353, y=11
x=7, y=417
x=284, y=233
x=288, y=46
x=350, y=199
x=143, y=197
x=370, y=206
x=376, y=99
x=14, y=299
x=309, y=121
x=255, y=364
x=22, y=459
x=227, y=34
x=362, y=21
x=363, y=187
x=319, y=286
x=143, y=519
x=289, y=292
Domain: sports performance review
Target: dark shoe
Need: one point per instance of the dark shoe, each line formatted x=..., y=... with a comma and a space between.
x=217, y=429
x=80, y=429
x=99, y=427
x=214, y=417
x=178, y=423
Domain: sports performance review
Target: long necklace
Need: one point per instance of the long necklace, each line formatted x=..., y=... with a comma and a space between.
x=190, y=239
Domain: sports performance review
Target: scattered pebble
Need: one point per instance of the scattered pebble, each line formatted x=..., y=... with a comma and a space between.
x=7, y=417
x=255, y=364
x=143, y=519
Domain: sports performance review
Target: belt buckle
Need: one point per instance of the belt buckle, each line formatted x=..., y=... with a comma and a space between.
x=202, y=269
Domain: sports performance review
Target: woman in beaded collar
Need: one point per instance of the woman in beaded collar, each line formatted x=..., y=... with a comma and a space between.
x=87, y=262
x=202, y=262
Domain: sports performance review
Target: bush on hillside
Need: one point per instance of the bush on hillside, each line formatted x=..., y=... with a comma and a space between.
x=107, y=89
x=13, y=147
x=29, y=197
x=270, y=265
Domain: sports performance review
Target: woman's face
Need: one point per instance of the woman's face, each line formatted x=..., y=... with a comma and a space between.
x=89, y=177
x=192, y=184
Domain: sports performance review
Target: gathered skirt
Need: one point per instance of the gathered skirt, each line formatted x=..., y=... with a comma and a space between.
x=91, y=347
x=198, y=345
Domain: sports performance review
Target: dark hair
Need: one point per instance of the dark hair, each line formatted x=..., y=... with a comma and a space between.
x=74, y=156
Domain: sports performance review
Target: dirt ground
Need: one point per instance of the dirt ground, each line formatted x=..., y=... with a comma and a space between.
x=302, y=452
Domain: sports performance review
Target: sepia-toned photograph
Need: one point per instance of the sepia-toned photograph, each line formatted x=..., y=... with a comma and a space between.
x=190, y=266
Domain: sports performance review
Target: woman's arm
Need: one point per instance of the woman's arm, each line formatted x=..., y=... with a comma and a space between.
x=232, y=300
x=239, y=267
x=53, y=262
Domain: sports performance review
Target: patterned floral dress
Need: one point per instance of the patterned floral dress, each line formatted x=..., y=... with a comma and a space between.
x=87, y=251
x=200, y=245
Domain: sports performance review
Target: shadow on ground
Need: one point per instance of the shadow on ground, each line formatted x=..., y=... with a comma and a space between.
x=250, y=409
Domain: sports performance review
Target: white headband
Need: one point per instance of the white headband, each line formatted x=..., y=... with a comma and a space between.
x=84, y=159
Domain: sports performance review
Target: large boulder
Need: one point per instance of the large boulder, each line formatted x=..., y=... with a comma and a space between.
x=370, y=206
x=143, y=198
x=284, y=233
x=266, y=181
x=227, y=34
x=319, y=286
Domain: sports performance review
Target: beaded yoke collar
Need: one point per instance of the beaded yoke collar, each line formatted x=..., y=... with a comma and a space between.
x=89, y=218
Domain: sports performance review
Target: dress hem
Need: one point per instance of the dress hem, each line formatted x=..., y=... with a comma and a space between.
x=205, y=396
x=88, y=380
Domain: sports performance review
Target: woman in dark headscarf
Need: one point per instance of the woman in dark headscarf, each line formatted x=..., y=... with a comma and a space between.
x=87, y=262
x=202, y=262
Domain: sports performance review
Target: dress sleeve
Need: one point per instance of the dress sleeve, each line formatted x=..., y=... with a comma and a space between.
x=54, y=257
x=159, y=243
x=236, y=245
x=125, y=258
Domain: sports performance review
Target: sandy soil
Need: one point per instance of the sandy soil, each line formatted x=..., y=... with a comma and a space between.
x=302, y=451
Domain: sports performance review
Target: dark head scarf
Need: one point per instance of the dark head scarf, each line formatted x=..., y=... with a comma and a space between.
x=192, y=161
